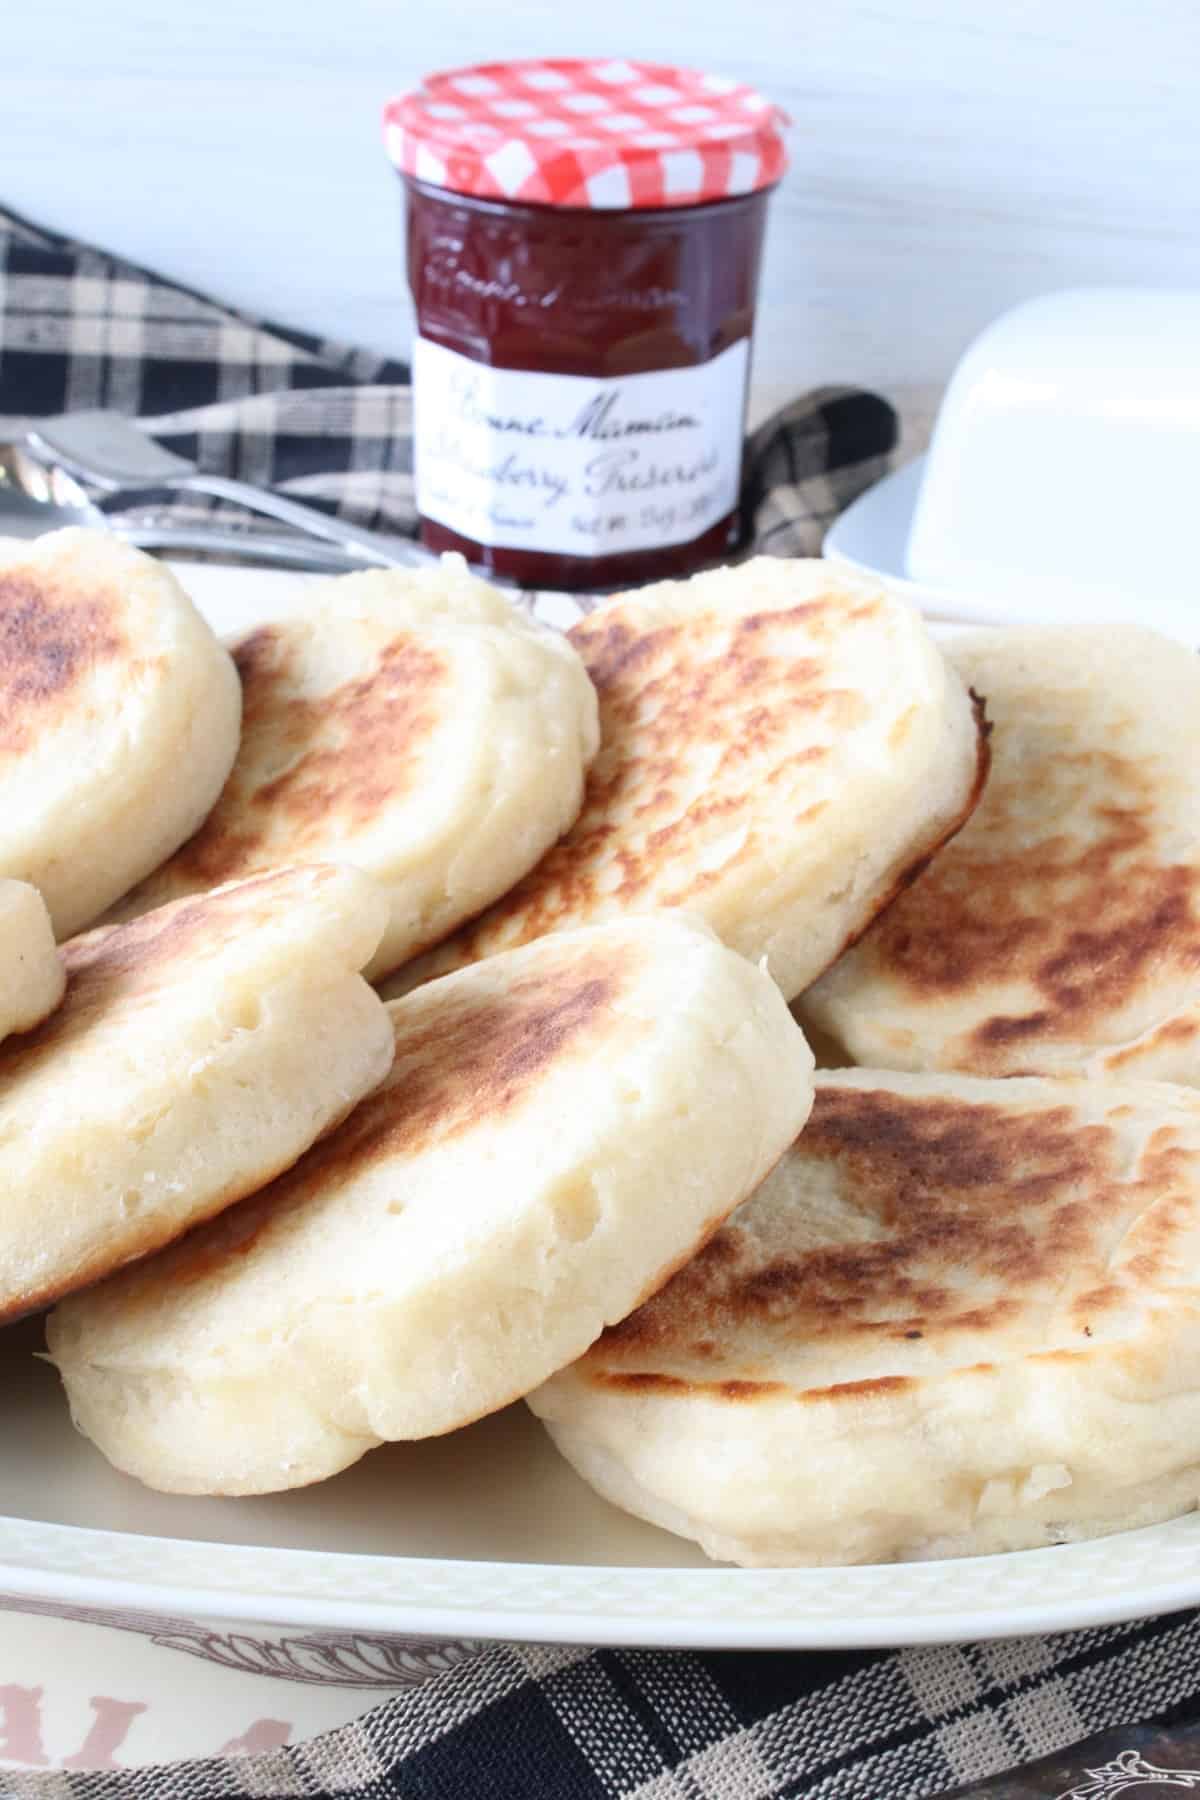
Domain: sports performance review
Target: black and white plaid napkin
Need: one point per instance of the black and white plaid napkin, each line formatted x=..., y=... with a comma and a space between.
x=319, y=422
x=522, y=1722
x=331, y=425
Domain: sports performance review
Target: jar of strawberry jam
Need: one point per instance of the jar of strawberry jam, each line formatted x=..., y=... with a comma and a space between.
x=583, y=250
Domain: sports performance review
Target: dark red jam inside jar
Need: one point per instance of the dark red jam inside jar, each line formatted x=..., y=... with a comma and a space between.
x=580, y=371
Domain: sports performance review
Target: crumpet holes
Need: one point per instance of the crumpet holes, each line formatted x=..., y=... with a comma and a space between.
x=577, y=1211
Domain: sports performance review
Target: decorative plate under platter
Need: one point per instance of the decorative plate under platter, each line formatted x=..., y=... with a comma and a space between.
x=486, y=1533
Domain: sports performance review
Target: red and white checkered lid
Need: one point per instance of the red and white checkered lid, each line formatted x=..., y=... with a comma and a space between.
x=569, y=132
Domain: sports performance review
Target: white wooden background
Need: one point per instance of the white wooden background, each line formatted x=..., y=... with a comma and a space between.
x=950, y=156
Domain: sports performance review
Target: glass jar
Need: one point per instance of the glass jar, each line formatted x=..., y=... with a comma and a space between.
x=582, y=352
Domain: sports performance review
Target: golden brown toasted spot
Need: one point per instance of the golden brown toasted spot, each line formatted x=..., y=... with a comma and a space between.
x=221, y=1231
x=1173, y=1032
x=643, y=1381
x=926, y=854
x=640, y=1381
x=457, y=1070
x=109, y=968
x=874, y=1389
x=112, y=971
x=259, y=658
x=312, y=763
x=1096, y=1299
x=153, y=1236
x=225, y=1239
x=470, y=1064
x=141, y=947
x=902, y=727
x=1096, y=967
x=672, y=696
x=1085, y=911
x=979, y=1210
x=617, y=648
x=704, y=1236
x=50, y=640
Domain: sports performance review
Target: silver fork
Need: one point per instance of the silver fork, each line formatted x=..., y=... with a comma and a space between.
x=105, y=450
x=35, y=499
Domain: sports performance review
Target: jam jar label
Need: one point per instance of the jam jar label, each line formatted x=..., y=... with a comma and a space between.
x=577, y=465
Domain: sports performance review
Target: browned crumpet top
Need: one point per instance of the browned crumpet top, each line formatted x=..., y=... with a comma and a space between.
x=118, y=971
x=413, y=723
x=758, y=725
x=922, y=1224
x=52, y=637
x=119, y=714
x=692, y=725
x=319, y=757
x=462, y=1062
x=1087, y=909
x=1060, y=930
x=552, y=1140
x=196, y=1052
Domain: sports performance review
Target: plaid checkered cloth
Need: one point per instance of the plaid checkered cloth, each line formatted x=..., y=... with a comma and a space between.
x=331, y=425
x=521, y=1722
x=317, y=421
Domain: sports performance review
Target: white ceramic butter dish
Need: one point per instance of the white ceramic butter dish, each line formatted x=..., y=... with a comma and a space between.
x=1063, y=477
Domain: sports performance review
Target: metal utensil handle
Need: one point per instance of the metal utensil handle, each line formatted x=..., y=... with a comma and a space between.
x=368, y=546
x=240, y=546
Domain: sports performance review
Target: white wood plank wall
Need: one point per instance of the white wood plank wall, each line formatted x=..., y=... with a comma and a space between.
x=950, y=156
